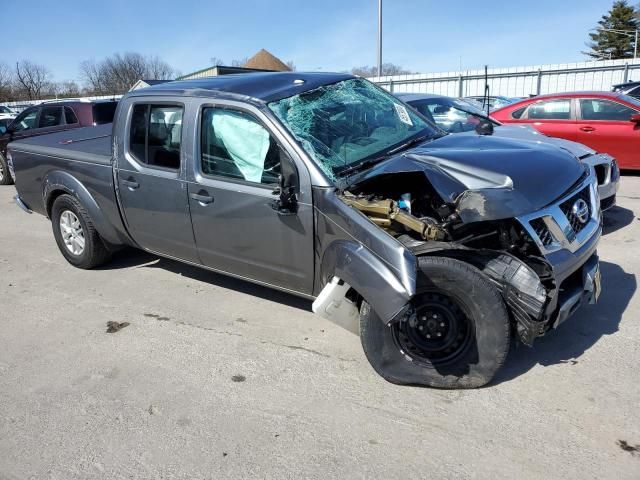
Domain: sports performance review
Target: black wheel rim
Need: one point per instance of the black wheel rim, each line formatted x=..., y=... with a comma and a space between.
x=437, y=333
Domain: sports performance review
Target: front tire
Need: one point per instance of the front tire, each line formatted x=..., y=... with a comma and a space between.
x=457, y=336
x=75, y=234
x=5, y=176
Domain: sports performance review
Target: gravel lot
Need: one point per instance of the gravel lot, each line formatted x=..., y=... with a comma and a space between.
x=216, y=378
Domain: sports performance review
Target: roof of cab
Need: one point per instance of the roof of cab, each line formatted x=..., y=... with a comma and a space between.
x=261, y=86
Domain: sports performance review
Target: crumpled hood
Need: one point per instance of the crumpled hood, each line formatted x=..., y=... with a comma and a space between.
x=527, y=132
x=488, y=178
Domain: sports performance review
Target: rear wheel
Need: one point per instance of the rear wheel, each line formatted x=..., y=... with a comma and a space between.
x=5, y=176
x=456, y=337
x=75, y=234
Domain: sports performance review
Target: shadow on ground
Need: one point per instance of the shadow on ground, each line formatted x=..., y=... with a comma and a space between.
x=580, y=332
x=129, y=258
x=616, y=218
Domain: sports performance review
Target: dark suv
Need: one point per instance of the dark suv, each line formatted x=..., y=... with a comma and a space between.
x=629, y=88
x=52, y=117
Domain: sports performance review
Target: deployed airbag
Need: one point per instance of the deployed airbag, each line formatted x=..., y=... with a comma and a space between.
x=246, y=141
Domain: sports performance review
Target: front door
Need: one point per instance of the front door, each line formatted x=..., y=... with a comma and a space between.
x=22, y=126
x=151, y=181
x=605, y=126
x=237, y=165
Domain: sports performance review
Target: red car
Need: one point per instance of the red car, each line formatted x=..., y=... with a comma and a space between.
x=608, y=122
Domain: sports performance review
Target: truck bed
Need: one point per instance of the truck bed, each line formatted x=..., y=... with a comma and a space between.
x=89, y=144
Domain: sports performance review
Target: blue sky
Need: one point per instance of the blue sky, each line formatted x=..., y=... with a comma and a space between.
x=332, y=35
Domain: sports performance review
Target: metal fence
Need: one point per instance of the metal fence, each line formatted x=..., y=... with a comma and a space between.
x=518, y=81
x=38, y=102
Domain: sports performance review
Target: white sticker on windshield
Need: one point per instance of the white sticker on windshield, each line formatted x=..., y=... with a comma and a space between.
x=403, y=115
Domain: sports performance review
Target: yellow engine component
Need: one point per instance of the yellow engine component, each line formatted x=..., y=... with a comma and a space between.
x=386, y=211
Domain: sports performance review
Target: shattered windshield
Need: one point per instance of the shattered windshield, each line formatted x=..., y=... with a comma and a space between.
x=345, y=123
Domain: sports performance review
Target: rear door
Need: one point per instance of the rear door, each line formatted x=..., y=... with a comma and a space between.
x=52, y=119
x=238, y=159
x=605, y=126
x=553, y=117
x=151, y=185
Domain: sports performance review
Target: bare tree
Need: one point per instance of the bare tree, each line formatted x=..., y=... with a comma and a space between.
x=68, y=88
x=239, y=62
x=291, y=65
x=215, y=61
x=158, y=69
x=6, y=82
x=32, y=78
x=117, y=73
x=387, y=69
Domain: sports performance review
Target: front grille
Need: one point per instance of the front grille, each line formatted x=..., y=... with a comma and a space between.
x=601, y=173
x=568, y=210
x=542, y=231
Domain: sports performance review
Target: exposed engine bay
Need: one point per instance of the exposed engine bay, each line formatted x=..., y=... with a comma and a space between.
x=406, y=204
x=408, y=208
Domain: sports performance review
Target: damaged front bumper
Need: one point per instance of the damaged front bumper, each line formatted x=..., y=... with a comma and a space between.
x=567, y=234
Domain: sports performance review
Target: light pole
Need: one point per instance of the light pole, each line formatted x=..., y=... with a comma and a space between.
x=379, y=38
x=627, y=33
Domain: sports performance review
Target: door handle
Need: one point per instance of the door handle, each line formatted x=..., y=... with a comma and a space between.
x=587, y=129
x=130, y=184
x=203, y=199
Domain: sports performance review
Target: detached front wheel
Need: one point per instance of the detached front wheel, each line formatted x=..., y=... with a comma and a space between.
x=456, y=337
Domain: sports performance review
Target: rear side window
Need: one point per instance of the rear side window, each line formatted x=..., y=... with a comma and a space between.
x=551, y=110
x=104, y=112
x=156, y=135
x=597, y=109
x=50, y=117
x=518, y=113
x=70, y=116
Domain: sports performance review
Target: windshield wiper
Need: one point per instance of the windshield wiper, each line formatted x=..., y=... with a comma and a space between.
x=360, y=166
x=410, y=143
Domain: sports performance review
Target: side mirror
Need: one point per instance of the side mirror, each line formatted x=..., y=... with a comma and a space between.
x=287, y=201
x=635, y=118
x=485, y=127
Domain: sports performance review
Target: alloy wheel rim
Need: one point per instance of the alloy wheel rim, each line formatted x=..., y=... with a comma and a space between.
x=1, y=172
x=72, y=233
x=437, y=334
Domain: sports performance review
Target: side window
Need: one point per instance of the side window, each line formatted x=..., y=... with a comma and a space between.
x=26, y=120
x=155, y=137
x=69, y=116
x=551, y=110
x=50, y=117
x=597, y=109
x=235, y=145
x=518, y=113
x=104, y=112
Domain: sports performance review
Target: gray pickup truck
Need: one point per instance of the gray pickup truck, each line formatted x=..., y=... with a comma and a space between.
x=438, y=247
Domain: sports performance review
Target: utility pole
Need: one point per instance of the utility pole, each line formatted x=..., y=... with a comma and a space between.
x=380, y=38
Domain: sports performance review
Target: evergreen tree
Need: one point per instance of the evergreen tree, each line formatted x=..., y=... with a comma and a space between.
x=614, y=36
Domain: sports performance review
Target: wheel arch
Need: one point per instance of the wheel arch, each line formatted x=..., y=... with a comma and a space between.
x=369, y=276
x=59, y=183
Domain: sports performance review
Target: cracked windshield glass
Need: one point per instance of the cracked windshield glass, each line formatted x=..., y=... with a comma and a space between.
x=347, y=123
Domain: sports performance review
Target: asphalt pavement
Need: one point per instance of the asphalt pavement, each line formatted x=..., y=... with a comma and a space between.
x=217, y=378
